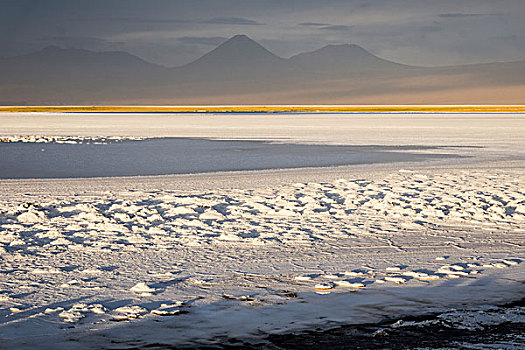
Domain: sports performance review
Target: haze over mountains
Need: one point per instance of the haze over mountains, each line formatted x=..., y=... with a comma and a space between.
x=240, y=71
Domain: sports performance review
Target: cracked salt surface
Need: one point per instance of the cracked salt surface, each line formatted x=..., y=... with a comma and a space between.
x=124, y=255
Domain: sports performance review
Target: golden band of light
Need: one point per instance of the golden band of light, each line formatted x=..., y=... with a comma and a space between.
x=275, y=108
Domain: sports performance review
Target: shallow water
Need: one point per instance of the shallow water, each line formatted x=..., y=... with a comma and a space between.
x=485, y=328
x=163, y=156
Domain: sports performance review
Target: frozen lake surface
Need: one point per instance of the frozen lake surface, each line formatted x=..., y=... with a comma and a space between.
x=160, y=156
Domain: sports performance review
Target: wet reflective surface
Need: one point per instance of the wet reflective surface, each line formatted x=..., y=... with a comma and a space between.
x=487, y=328
x=188, y=155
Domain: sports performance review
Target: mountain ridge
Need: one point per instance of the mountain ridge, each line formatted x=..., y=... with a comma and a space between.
x=228, y=49
x=57, y=48
x=240, y=70
x=236, y=58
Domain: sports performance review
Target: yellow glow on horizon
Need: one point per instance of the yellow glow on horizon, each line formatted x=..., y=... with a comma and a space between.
x=275, y=108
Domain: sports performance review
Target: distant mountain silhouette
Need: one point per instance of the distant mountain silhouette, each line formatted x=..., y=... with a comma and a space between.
x=237, y=58
x=55, y=75
x=342, y=59
x=52, y=60
x=241, y=71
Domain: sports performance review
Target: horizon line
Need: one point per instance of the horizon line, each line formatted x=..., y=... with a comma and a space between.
x=266, y=108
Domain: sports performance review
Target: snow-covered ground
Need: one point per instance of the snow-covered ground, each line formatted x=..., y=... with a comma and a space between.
x=184, y=259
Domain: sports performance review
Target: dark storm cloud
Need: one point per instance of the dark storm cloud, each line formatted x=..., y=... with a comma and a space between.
x=313, y=24
x=429, y=29
x=463, y=15
x=337, y=28
x=162, y=21
x=213, y=40
x=131, y=20
x=173, y=32
x=233, y=20
x=74, y=40
x=325, y=26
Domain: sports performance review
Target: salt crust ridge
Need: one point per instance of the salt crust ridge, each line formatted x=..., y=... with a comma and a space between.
x=129, y=255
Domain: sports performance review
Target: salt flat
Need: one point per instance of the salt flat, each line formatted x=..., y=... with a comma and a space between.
x=185, y=259
x=504, y=129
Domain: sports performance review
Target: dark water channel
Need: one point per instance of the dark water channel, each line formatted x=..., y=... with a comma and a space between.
x=187, y=155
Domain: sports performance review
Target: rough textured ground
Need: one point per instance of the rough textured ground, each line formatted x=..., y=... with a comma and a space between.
x=89, y=258
x=207, y=259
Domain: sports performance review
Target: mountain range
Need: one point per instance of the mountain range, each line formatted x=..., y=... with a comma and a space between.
x=241, y=71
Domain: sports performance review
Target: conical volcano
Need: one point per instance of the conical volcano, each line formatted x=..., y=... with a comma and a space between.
x=238, y=57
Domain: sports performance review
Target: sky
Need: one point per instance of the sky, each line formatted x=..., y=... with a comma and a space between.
x=176, y=32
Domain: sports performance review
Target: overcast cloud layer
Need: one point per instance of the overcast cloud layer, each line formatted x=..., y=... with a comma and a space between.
x=173, y=32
